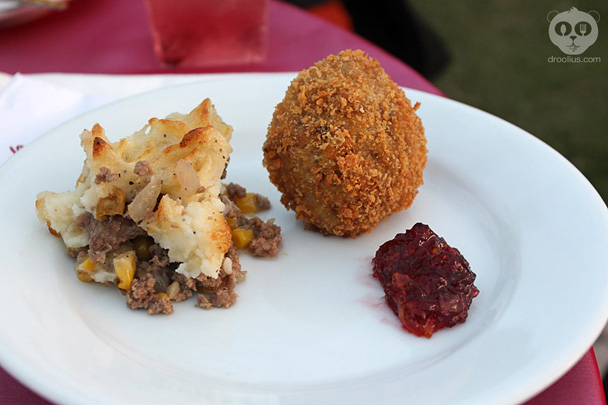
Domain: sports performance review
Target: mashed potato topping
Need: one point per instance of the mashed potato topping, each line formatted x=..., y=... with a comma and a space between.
x=147, y=213
x=188, y=220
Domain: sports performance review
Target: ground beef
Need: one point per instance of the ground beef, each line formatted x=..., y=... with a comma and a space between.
x=233, y=255
x=224, y=280
x=235, y=191
x=230, y=208
x=143, y=168
x=184, y=289
x=203, y=302
x=107, y=235
x=156, y=283
x=206, y=283
x=143, y=295
x=261, y=203
x=267, y=236
x=160, y=306
x=222, y=298
x=159, y=266
x=105, y=176
x=74, y=252
x=157, y=275
x=186, y=282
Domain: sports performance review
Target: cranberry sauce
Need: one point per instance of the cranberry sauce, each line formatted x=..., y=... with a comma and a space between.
x=428, y=284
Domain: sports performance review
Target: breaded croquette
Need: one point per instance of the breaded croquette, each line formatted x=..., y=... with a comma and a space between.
x=345, y=146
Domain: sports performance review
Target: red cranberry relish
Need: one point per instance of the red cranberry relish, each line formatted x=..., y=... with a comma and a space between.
x=428, y=284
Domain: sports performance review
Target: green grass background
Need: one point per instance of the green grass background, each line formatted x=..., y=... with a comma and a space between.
x=499, y=63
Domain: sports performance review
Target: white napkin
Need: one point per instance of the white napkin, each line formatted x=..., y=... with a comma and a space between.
x=30, y=107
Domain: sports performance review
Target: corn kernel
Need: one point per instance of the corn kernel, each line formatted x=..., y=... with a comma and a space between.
x=87, y=265
x=241, y=237
x=124, y=266
x=173, y=290
x=162, y=296
x=84, y=276
x=247, y=204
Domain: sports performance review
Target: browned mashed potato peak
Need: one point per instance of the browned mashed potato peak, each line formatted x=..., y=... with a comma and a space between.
x=345, y=146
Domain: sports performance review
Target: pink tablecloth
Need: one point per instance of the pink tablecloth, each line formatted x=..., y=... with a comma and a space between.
x=112, y=36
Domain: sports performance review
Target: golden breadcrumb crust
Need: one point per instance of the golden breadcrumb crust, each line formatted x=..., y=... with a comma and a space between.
x=345, y=146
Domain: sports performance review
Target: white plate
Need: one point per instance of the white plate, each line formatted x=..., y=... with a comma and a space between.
x=310, y=327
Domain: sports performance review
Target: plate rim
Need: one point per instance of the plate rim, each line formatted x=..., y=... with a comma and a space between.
x=21, y=373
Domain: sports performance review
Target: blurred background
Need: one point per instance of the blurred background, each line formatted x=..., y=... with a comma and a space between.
x=495, y=56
